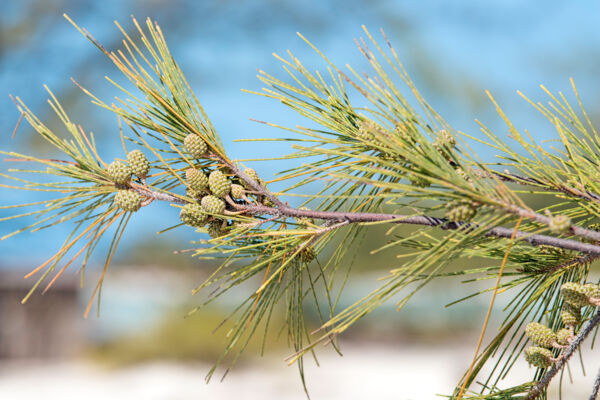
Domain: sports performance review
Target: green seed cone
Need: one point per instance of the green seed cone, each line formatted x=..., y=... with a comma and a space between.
x=195, y=145
x=128, y=200
x=196, y=179
x=251, y=174
x=212, y=205
x=138, y=163
x=592, y=290
x=193, y=194
x=538, y=357
x=563, y=337
x=237, y=191
x=540, y=335
x=559, y=224
x=119, y=172
x=570, y=315
x=193, y=215
x=218, y=183
x=460, y=211
x=574, y=294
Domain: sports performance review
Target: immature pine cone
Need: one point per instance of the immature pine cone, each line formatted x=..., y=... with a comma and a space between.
x=119, y=172
x=128, y=200
x=196, y=180
x=195, y=145
x=563, y=337
x=212, y=205
x=539, y=357
x=540, y=335
x=251, y=174
x=460, y=211
x=218, y=183
x=194, y=194
x=570, y=315
x=559, y=224
x=592, y=290
x=575, y=294
x=237, y=191
x=193, y=215
x=138, y=163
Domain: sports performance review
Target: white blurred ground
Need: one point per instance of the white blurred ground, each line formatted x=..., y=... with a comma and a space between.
x=365, y=372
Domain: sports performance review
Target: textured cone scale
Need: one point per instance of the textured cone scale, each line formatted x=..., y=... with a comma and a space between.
x=193, y=215
x=574, y=294
x=193, y=194
x=212, y=205
x=570, y=315
x=251, y=174
x=119, y=172
x=540, y=335
x=237, y=191
x=195, y=145
x=460, y=211
x=559, y=224
x=218, y=183
x=196, y=180
x=592, y=290
x=538, y=357
x=138, y=163
x=128, y=200
x=563, y=337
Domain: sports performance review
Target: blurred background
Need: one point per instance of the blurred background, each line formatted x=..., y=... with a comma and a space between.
x=140, y=346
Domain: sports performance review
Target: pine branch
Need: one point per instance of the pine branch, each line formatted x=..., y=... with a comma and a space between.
x=545, y=381
x=535, y=240
x=360, y=217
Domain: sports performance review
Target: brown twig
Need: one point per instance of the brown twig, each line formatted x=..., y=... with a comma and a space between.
x=359, y=217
